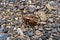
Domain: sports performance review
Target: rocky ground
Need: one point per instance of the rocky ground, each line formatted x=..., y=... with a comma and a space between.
x=29, y=20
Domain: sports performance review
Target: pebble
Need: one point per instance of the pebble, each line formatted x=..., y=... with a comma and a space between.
x=40, y=39
x=14, y=29
x=21, y=7
x=1, y=17
x=50, y=20
x=58, y=29
x=37, y=32
x=42, y=22
x=16, y=18
x=40, y=29
x=3, y=36
x=19, y=31
x=31, y=8
x=5, y=30
x=43, y=37
x=48, y=29
x=30, y=34
x=50, y=39
x=6, y=17
x=8, y=38
x=42, y=16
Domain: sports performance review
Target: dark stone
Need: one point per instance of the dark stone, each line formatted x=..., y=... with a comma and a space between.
x=5, y=21
x=22, y=3
x=56, y=38
x=5, y=30
x=16, y=6
x=17, y=39
x=11, y=0
x=43, y=37
x=47, y=35
x=1, y=17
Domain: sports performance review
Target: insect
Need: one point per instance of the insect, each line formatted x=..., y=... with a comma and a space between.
x=30, y=20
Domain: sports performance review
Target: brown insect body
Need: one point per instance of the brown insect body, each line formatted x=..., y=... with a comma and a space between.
x=30, y=20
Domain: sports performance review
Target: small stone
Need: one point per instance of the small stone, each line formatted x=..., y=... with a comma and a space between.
x=8, y=26
x=5, y=30
x=16, y=18
x=42, y=22
x=29, y=2
x=53, y=25
x=38, y=7
x=16, y=22
x=3, y=36
x=30, y=33
x=11, y=1
x=17, y=39
x=31, y=29
x=50, y=20
x=56, y=38
x=36, y=27
x=49, y=32
x=18, y=15
x=8, y=10
x=47, y=36
x=40, y=39
x=8, y=38
x=1, y=22
x=1, y=17
x=19, y=31
x=28, y=38
x=48, y=29
x=14, y=28
x=42, y=16
x=45, y=26
x=21, y=7
x=37, y=32
x=31, y=8
x=24, y=0
x=12, y=16
x=50, y=39
x=54, y=30
x=58, y=29
x=44, y=9
x=40, y=29
x=43, y=37
x=25, y=10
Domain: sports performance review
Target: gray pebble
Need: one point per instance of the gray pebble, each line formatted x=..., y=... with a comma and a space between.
x=1, y=17
x=31, y=8
x=21, y=7
x=54, y=30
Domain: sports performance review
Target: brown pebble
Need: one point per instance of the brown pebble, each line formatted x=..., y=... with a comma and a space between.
x=6, y=17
